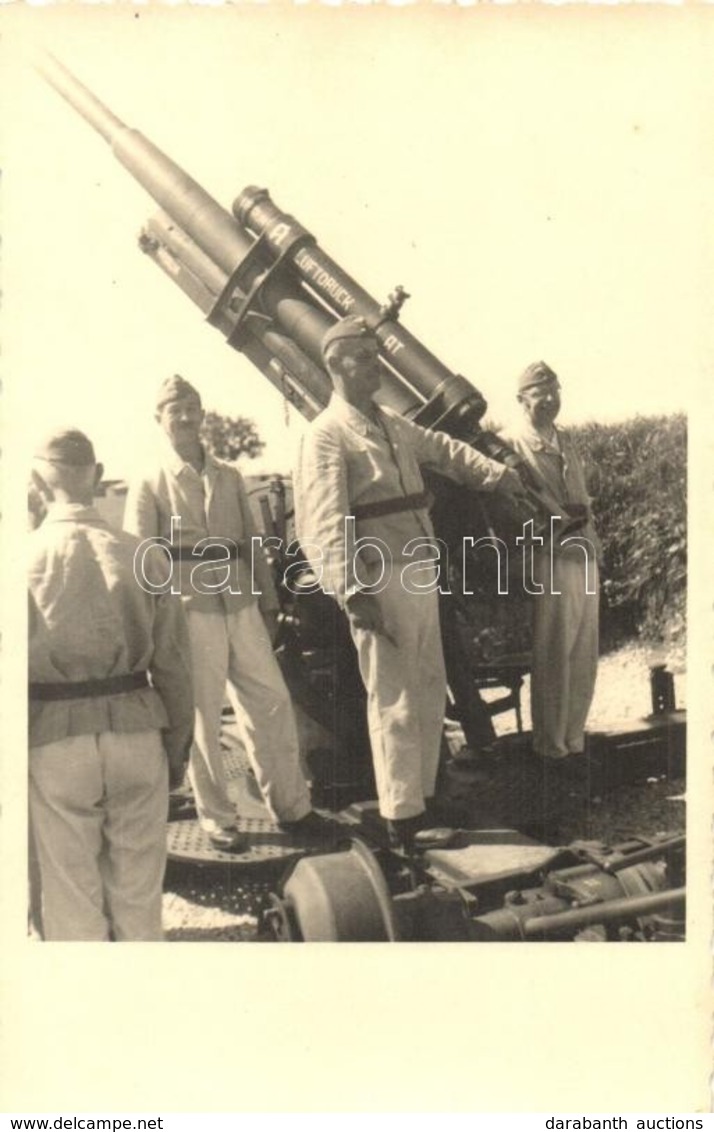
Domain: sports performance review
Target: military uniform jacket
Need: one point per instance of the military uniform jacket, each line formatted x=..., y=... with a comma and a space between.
x=557, y=465
x=207, y=509
x=347, y=460
x=90, y=618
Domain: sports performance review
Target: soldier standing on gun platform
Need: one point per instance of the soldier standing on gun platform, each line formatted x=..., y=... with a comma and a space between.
x=104, y=742
x=360, y=462
x=193, y=500
x=565, y=620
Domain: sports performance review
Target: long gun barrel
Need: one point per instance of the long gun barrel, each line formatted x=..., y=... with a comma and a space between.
x=260, y=278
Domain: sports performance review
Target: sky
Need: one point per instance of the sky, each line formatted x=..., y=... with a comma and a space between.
x=539, y=179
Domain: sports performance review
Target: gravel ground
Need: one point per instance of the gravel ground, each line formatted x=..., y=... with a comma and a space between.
x=211, y=904
x=622, y=691
x=223, y=904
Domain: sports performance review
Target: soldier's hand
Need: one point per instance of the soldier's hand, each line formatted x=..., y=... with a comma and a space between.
x=177, y=771
x=364, y=612
x=270, y=617
x=511, y=483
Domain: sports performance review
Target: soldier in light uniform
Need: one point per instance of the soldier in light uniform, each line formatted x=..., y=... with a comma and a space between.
x=110, y=710
x=565, y=623
x=361, y=462
x=231, y=607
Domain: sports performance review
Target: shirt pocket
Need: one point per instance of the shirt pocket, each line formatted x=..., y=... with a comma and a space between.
x=372, y=472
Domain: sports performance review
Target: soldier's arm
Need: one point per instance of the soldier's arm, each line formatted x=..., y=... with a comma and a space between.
x=321, y=509
x=461, y=462
x=141, y=511
x=170, y=669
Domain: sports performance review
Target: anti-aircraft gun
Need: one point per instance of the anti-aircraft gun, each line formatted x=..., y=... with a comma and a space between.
x=263, y=281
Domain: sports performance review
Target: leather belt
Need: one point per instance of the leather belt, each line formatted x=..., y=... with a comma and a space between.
x=88, y=689
x=211, y=552
x=392, y=506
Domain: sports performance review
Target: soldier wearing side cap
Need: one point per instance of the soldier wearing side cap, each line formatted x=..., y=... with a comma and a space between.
x=565, y=621
x=231, y=607
x=361, y=462
x=110, y=710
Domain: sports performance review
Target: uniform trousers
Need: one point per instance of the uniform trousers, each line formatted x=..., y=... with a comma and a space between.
x=235, y=647
x=565, y=653
x=98, y=808
x=406, y=696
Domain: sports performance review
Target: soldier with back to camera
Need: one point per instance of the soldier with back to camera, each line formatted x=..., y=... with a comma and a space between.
x=110, y=709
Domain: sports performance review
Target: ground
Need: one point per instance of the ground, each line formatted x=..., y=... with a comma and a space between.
x=224, y=904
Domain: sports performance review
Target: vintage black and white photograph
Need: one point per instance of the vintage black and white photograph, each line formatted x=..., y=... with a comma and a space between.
x=355, y=396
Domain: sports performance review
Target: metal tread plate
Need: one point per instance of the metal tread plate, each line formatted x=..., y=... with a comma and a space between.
x=467, y=862
x=187, y=842
x=269, y=846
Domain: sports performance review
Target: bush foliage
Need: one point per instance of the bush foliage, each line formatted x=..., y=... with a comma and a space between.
x=637, y=473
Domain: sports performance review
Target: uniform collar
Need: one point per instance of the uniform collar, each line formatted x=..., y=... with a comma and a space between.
x=352, y=416
x=176, y=464
x=537, y=441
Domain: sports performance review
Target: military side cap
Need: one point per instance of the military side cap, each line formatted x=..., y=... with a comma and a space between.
x=173, y=389
x=66, y=446
x=354, y=326
x=538, y=373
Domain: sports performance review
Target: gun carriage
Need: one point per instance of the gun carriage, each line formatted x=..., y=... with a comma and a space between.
x=262, y=280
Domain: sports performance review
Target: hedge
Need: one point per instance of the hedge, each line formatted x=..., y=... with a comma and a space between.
x=637, y=472
x=637, y=475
